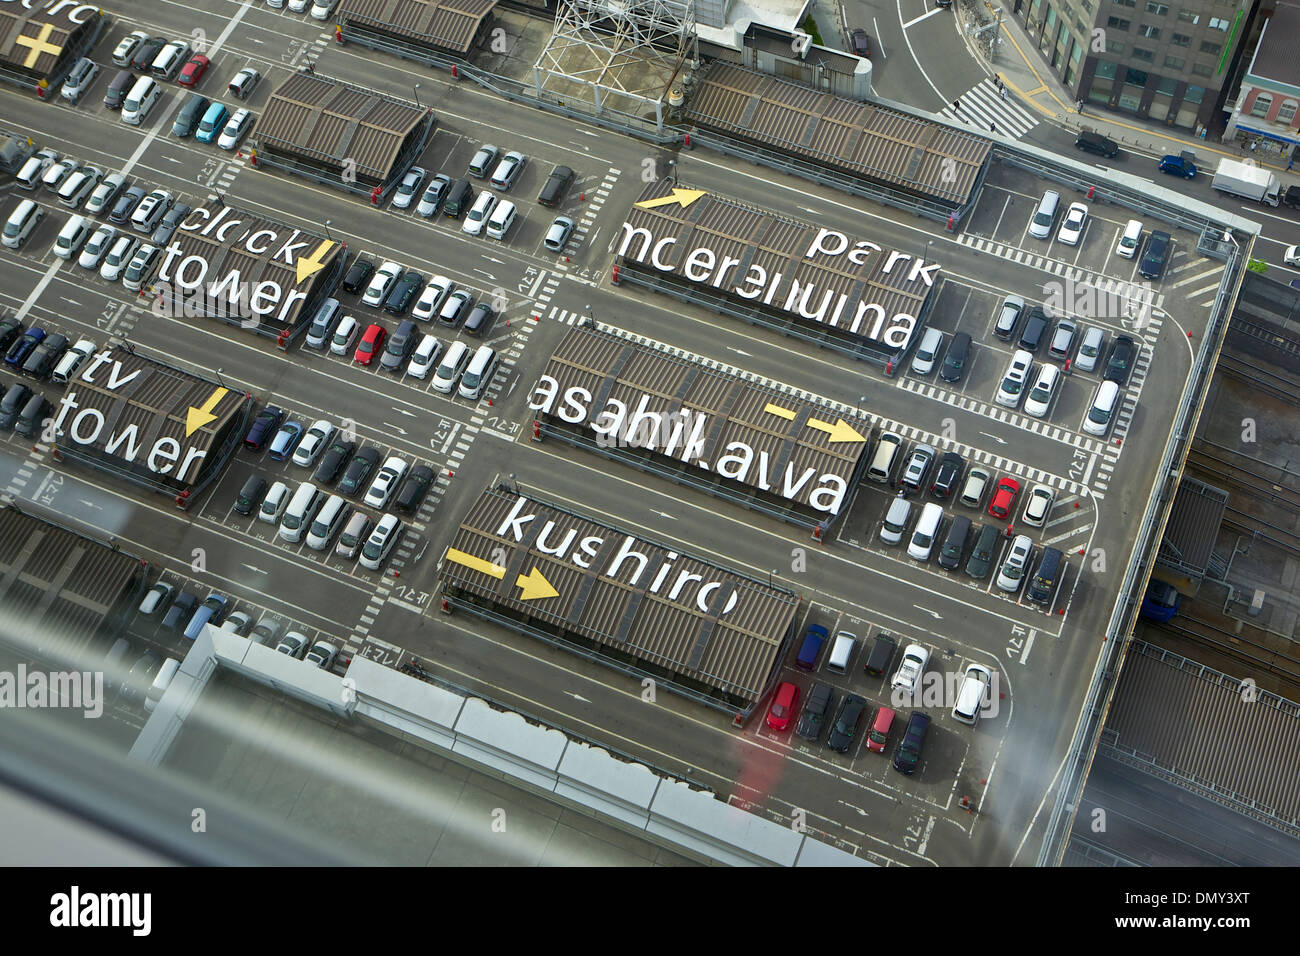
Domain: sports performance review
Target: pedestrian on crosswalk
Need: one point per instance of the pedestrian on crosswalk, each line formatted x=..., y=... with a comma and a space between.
x=1003, y=90
x=993, y=127
x=956, y=105
x=998, y=80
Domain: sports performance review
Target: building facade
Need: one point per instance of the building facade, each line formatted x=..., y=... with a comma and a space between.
x=1264, y=113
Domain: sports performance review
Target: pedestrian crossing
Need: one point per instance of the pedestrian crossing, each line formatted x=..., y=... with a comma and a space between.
x=990, y=109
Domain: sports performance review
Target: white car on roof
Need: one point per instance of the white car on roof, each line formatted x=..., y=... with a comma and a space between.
x=381, y=283
x=910, y=669
x=1076, y=217
x=431, y=298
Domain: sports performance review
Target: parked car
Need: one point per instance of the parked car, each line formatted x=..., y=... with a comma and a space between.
x=358, y=275
x=24, y=347
x=375, y=551
x=413, y=489
x=1076, y=217
x=1040, y=396
x=127, y=47
x=1012, y=386
x=908, y=755
x=404, y=290
x=954, y=362
x=209, y=612
x=1004, y=497
x=294, y=644
x=285, y=440
x=170, y=223
x=322, y=654
x=907, y=678
x=180, y=610
x=484, y=161
x=918, y=466
x=1152, y=264
x=314, y=442
x=1062, y=339
x=125, y=205
x=244, y=82
x=434, y=193
x=43, y=358
x=332, y=462
x=354, y=535
x=358, y=471
x=816, y=709
x=431, y=299
x=508, y=170
x=1038, y=505
x=381, y=283
x=1122, y=356
x=1090, y=348
x=846, y=723
x=977, y=479
x=97, y=246
x=102, y=199
x=385, y=483
x=251, y=495
x=782, y=707
x=557, y=236
x=193, y=71
x=1013, y=567
x=370, y=344
x=155, y=599
x=948, y=476
x=408, y=187
x=240, y=122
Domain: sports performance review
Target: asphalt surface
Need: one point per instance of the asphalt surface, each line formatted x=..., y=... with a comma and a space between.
x=1045, y=658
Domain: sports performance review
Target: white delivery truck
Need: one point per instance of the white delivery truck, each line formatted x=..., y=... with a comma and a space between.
x=1248, y=181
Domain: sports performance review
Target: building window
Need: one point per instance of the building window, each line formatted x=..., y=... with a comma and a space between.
x=1194, y=94
x=1135, y=77
x=1078, y=23
x=1186, y=16
x=1126, y=3
x=1116, y=23
x=1175, y=62
x=1286, y=112
x=1088, y=5
x=1179, y=40
x=1141, y=54
x=1159, y=9
x=1167, y=86
x=1150, y=32
x=1200, y=70
x=1114, y=46
x=1262, y=103
x=1218, y=24
x=1208, y=47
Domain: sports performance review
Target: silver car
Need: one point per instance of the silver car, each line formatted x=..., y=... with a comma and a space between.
x=408, y=187
x=1090, y=349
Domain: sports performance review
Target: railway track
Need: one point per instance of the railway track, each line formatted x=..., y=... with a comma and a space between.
x=1271, y=383
x=1244, y=472
x=1233, y=645
x=1261, y=530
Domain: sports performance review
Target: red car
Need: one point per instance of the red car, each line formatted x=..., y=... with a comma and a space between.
x=369, y=345
x=778, y=715
x=194, y=70
x=1004, y=498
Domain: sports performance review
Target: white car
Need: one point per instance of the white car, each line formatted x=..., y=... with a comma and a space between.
x=977, y=479
x=434, y=193
x=381, y=283
x=385, y=483
x=1038, y=505
x=408, y=187
x=77, y=187
x=322, y=655
x=58, y=171
x=430, y=300
x=425, y=357
x=1085, y=360
x=1040, y=396
x=101, y=199
x=235, y=128
x=97, y=246
x=479, y=213
x=119, y=254
x=244, y=82
x=30, y=176
x=1012, y=571
x=127, y=46
x=294, y=644
x=1291, y=256
x=321, y=9
x=910, y=669
x=151, y=209
x=558, y=234
x=1013, y=383
x=1072, y=226
x=380, y=543
x=298, y=6
x=314, y=442
x=507, y=171
x=341, y=342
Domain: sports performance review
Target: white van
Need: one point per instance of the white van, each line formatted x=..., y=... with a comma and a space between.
x=882, y=463
x=29, y=177
x=841, y=652
x=140, y=101
x=161, y=681
x=72, y=236
x=1040, y=227
x=328, y=522
x=926, y=352
x=72, y=360
x=927, y=529
x=170, y=59
x=970, y=698
x=502, y=218
x=1097, y=421
x=302, y=509
x=21, y=222
x=478, y=373
x=453, y=363
x=1130, y=240
x=896, y=518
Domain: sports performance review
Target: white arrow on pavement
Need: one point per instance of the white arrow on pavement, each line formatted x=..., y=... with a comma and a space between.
x=397, y=428
x=664, y=514
x=577, y=697
x=403, y=411
x=933, y=614
x=254, y=570
x=88, y=503
x=1000, y=441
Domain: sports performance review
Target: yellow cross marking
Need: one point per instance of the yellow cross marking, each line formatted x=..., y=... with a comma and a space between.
x=39, y=44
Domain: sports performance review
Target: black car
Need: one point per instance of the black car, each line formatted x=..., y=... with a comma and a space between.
x=413, y=488
x=46, y=355
x=861, y=42
x=553, y=190
x=479, y=319
x=24, y=347
x=981, y=558
x=1091, y=142
x=32, y=416
x=1035, y=329
x=126, y=204
x=146, y=53
x=954, y=363
x=332, y=462
x=12, y=405
x=954, y=543
x=358, y=276
x=400, y=345
x=358, y=472
x=846, y=723
x=405, y=289
x=266, y=423
x=251, y=495
x=1120, y=363
x=948, y=477
x=10, y=329
x=818, y=706
x=170, y=222
x=1153, y=261
x=179, y=613
x=908, y=755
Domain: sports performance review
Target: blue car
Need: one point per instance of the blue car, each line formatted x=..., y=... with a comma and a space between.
x=212, y=123
x=285, y=440
x=1160, y=603
x=1178, y=166
x=209, y=612
x=811, y=647
x=23, y=347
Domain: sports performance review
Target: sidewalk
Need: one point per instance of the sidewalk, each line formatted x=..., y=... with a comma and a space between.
x=1027, y=77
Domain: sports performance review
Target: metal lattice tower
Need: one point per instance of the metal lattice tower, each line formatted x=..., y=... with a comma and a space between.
x=621, y=56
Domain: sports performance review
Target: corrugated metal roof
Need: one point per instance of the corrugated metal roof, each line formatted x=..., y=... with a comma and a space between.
x=794, y=434
x=34, y=40
x=881, y=145
x=446, y=25
x=1193, y=525
x=647, y=609
x=329, y=122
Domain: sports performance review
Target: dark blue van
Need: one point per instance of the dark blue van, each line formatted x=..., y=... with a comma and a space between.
x=908, y=755
x=812, y=646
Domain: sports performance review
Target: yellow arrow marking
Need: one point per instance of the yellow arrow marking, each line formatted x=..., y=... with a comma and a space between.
x=196, y=418
x=786, y=413
x=39, y=44
x=531, y=586
x=308, y=266
x=684, y=197
x=840, y=431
